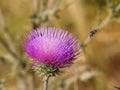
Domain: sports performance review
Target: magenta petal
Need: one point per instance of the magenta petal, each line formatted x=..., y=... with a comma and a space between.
x=51, y=46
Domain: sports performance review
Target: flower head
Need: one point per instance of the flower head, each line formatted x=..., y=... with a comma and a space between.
x=51, y=46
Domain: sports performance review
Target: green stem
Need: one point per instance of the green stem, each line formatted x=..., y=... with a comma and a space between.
x=46, y=83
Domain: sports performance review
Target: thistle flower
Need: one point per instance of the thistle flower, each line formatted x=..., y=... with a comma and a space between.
x=51, y=47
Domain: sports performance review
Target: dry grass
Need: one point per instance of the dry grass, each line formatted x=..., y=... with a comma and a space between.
x=97, y=68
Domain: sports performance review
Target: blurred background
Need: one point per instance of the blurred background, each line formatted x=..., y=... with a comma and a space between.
x=97, y=68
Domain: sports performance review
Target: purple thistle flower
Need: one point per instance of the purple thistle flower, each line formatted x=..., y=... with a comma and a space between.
x=51, y=46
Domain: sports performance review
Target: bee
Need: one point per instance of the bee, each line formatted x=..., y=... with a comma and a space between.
x=93, y=32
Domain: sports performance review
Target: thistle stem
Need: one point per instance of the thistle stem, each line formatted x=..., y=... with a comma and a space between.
x=46, y=83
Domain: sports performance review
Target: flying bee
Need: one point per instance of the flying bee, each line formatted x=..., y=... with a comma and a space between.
x=93, y=32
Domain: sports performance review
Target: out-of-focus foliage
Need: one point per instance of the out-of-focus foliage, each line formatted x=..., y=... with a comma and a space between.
x=97, y=3
x=97, y=68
